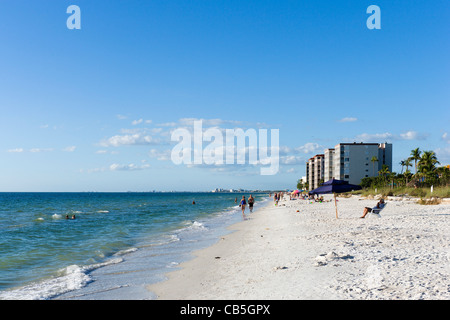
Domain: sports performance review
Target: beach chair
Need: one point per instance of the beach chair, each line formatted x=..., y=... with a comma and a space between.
x=376, y=211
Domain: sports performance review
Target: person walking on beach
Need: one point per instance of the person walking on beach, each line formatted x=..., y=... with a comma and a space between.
x=242, y=204
x=251, y=201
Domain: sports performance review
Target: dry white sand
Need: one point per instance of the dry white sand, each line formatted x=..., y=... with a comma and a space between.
x=280, y=253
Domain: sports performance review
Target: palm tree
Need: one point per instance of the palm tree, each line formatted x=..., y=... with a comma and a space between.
x=384, y=172
x=443, y=174
x=427, y=164
x=407, y=164
x=428, y=158
x=391, y=177
x=374, y=159
x=415, y=155
x=402, y=163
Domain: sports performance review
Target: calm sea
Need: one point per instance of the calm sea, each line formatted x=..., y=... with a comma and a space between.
x=117, y=244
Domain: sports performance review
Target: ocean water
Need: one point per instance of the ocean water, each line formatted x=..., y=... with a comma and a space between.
x=117, y=244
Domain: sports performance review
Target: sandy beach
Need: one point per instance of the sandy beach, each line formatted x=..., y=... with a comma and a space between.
x=299, y=250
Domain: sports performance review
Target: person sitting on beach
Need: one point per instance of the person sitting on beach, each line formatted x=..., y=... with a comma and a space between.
x=380, y=205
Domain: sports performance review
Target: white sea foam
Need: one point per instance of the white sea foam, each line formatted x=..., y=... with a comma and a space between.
x=122, y=252
x=71, y=278
x=102, y=264
x=68, y=279
x=173, y=264
x=198, y=226
x=56, y=216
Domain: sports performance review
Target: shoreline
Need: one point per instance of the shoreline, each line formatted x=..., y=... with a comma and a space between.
x=152, y=235
x=280, y=253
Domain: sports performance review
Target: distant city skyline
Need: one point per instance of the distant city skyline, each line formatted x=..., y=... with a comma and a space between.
x=93, y=109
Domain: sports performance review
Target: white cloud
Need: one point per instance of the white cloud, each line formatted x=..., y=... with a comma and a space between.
x=412, y=135
x=160, y=155
x=389, y=137
x=136, y=122
x=208, y=122
x=446, y=137
x=128, y=140
x=377, y=137
x=106, y=152
x=309, y=147
x=92, y=170
x=128, y=167
x=69, y=149
x=292, y=160
x=17, y=150
x=36, y=150
x=348, y=119
x=167, y=124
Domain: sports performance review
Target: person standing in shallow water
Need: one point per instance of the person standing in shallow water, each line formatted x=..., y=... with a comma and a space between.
x=242, y=204
x=251, y=201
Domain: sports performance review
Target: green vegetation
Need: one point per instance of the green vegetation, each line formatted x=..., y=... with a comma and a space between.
x=301, y=185
x=427, y=174
x=425, y=192
x=418, y=184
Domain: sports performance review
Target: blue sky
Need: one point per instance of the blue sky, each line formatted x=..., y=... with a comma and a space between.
x=92, y=109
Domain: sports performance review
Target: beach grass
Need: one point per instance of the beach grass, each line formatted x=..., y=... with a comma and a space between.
x=422, y=193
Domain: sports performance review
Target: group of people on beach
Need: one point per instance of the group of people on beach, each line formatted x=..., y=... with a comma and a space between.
x=277, y=197
x=378, y=207
x=243, y=203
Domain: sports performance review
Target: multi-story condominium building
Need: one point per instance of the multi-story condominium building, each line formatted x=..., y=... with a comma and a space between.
x=314, y=171
x=328, y=164
x=348, y=161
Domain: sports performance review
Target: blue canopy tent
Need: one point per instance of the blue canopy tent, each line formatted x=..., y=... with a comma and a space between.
x=335, y=186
